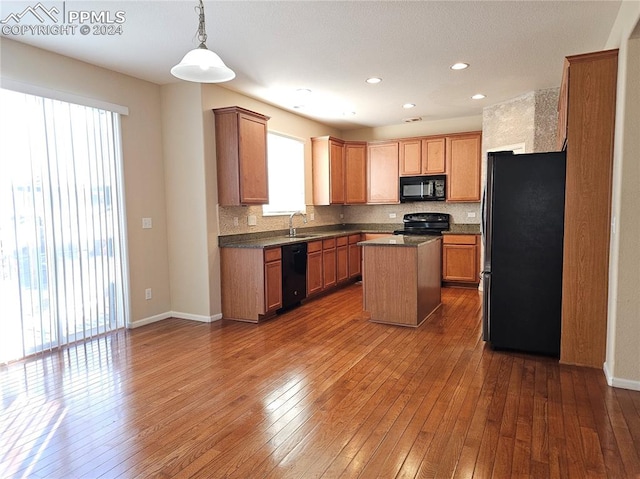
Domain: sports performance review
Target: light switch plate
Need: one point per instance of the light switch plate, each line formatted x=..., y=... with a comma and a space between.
x=147, y=223
x=252, y=220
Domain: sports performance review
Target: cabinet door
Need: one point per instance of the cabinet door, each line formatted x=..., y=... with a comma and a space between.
x=336, y=172
x=355, y=158
x=463, y=167
x=273, y=285
x=410, y=157
x=433, y=159
x=459, y=263
x=314, y=273
x=342, y=259
x=328, y=268
x=253, y=160
x=355, y=261
x=382, y=173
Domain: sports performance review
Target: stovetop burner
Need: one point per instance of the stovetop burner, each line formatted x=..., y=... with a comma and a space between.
x=424, y=224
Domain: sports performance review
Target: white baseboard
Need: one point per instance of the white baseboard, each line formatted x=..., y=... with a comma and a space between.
x=619, y=382
x=149, y=320
x=174, y=314
x=196, y=317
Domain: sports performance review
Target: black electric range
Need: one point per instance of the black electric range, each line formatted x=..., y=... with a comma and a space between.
x=424, y=224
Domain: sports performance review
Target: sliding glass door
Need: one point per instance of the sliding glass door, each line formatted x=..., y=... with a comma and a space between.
x=62, y=253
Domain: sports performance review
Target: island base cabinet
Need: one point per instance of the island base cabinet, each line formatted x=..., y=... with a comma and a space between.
x=401, y=285
x=251, y=283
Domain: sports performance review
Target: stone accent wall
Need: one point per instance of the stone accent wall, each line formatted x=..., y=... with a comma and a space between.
x=546, y=120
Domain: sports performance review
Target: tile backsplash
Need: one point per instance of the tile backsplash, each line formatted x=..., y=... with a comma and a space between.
x=323, y=216
x=461, y=213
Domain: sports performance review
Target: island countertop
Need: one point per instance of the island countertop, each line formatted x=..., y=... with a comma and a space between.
x=401, y=240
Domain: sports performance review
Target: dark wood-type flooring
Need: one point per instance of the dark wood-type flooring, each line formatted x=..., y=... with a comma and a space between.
x=317, y=392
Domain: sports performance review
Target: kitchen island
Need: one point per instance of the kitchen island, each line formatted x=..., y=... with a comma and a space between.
x=401, y=278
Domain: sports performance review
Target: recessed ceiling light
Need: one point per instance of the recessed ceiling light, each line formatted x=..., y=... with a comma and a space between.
x=459, y=66
x=298, y=107
x=408, y=105
x=303, y=91
x=374, y=80
x=478, y=96
x=348, y=113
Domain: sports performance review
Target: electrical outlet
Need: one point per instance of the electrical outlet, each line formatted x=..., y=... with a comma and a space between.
x=147, y=223
x=341, y=216
x=252, y=220
x=147, y=293
x=471, y=214
x=235, y=221
x=312, y=216
x=392, y=215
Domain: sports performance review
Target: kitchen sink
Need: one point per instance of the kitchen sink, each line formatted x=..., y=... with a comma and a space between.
x=302, y=236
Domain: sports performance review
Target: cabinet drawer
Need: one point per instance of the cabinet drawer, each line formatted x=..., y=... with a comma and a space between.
x=329, y=243
x=459, y=239
x=272, y=254
x=342, y=240
x=353, y=239
x=313, y=246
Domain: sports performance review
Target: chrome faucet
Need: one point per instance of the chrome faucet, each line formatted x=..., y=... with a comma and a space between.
x=292, y=230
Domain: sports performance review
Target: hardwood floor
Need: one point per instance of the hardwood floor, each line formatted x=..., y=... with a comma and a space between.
x=317, y=392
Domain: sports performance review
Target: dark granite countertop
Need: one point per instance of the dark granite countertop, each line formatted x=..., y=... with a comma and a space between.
x=268, y=239
x=401, y=240
x=467, y=229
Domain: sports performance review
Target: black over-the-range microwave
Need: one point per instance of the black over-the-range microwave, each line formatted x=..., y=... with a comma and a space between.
x=422, y=188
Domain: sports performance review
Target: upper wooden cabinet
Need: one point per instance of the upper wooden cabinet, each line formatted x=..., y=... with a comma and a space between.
x=422, y=156
x=355, y=167
x=241, y=150
x=590, y=108
x=463, y=166
x=382, y=173
x=410, y=157
x=433, y=155
x=328, y=170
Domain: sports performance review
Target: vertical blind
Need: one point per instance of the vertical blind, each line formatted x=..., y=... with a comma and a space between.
x=62, y=253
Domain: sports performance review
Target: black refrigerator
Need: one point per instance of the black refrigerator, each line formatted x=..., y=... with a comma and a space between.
x=523, y=229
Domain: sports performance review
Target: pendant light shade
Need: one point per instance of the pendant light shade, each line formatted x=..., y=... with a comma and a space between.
x=201, y=64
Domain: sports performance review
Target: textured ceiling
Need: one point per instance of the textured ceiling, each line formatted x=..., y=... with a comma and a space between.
x=331, y=47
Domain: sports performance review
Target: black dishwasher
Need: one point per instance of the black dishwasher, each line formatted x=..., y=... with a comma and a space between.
x=294, y=274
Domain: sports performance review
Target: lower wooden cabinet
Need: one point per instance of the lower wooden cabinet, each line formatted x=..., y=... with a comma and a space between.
x=251, y=282
x=355, y=256
x=328, y=263
x=314, y=267
x=272, y=279
x=342, y=259
x=460, y=259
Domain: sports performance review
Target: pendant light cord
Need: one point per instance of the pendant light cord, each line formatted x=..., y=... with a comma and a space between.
x=202, y=34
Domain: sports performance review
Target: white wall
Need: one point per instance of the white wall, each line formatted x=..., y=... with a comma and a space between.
x=623, y=334
x=183, y=142
x=142, y=157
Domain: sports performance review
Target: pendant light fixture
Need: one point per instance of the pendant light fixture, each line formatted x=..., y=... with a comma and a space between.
x=201, y=64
